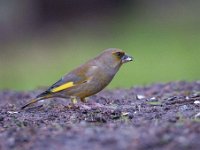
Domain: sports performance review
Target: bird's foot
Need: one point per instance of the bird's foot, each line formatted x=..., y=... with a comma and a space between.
x=72, y=106
x=74, y=100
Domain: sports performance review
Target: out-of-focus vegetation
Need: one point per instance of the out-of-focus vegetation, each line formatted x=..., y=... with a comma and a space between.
x=163, y=37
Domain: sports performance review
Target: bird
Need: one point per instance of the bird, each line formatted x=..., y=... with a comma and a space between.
x=87, y=79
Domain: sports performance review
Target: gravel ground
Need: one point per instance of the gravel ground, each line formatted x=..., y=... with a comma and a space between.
x=159, y=116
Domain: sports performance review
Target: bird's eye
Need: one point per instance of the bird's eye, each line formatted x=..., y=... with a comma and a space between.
x=119, y=54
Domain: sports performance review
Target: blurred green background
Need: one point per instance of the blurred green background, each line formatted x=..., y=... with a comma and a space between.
x=41, y=40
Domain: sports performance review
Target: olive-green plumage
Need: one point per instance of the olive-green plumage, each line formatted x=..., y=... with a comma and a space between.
x=89, y=78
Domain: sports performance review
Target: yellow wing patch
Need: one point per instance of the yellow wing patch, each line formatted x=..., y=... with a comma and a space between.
x=63, y=87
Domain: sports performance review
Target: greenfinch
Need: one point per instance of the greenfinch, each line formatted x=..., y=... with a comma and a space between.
x=87, y=79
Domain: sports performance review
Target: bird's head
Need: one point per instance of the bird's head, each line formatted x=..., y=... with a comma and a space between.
x=114, y=57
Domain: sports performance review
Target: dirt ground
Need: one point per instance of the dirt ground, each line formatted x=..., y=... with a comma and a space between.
x=159, y=116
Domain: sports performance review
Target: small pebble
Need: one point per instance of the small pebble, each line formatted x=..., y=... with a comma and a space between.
x=140, y=97
x=197, y=102
x=12, y=112
x=153, y=99
x=187, y=98
x=125, y=113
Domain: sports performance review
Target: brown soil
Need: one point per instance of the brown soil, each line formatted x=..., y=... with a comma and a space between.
x=160, y=116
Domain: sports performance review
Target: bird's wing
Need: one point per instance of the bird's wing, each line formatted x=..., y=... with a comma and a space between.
x=72, y=79
x=67, y=81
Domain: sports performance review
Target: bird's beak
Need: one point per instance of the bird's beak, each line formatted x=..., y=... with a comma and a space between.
x=126, y=58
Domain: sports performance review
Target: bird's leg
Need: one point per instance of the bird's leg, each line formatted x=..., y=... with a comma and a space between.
x=84, y=100
x=73, y=100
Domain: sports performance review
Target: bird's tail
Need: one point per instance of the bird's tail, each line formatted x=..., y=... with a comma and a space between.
x=33, y=101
